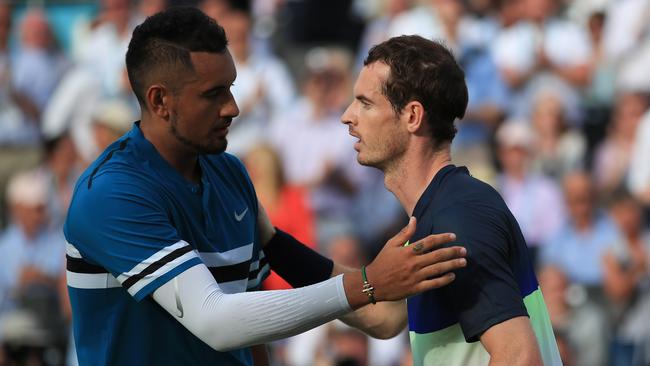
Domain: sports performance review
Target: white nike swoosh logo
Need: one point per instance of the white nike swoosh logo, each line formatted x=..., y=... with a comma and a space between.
x=240, y=216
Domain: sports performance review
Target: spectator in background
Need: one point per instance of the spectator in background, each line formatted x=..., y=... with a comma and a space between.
x=32, y=253
x=111, y=120
x=488, y=92
x=627, y=283
x=38, y=64
x=215, y=9
x=376, y=30
x=534, y=199
x=61, y=170
x=99, y=50
x=559, y=149
x=19, y=135
x=612, y=157
x=309, y=348
x=313, y=23
x=601, y=89
x=377, y=213
x=287, y=205
x=580, y=323
x=150, y=7
x=639, y=177
x=101, y=45
x=470, y=36
x=508, y=13
x=600, y=93
x=74, y=107
x=544, y=51
x=625, y=26
x=567, y=352
x=578, y=247
x=310, y=131
x=325, y=345
x=345, y=346
x=263, y=88
x=422, y=20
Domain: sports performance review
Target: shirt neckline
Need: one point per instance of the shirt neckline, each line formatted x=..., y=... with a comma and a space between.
x=152, y=155
x=430, y=192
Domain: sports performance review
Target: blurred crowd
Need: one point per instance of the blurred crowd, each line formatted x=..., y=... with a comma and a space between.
x=558, y=122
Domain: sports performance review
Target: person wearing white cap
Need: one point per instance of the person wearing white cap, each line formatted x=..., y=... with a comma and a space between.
x=112, y=119
x=31, y=252
x=534, y=199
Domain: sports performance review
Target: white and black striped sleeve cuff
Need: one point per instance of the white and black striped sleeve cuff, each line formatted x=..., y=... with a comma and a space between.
x=169, y=261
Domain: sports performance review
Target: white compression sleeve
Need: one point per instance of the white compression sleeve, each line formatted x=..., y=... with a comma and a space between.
x=229, y=321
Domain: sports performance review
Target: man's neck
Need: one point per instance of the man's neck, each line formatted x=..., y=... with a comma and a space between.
x=175, y=153
x=411, y=176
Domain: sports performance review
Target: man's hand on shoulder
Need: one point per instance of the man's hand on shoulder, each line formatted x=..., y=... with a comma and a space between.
x=400, y=271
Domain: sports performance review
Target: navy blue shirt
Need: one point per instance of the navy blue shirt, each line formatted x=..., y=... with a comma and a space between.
x=497, y=284
x=498, y=274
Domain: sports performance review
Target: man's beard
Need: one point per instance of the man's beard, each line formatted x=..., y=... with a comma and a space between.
x=199, y=148
x=387, y=156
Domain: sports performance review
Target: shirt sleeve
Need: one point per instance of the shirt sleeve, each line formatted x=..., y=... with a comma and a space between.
x=122, y=225
x=485, y=292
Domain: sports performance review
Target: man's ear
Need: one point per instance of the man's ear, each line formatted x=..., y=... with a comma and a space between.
x=159, y=98
x=413, y=114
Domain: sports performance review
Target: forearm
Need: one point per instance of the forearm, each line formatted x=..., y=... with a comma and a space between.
x=230, y=321
x=296, y=263
x=382, y=320
x=397, y=272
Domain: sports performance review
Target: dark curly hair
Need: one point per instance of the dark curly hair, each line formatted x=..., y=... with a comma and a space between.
x=427, y=72
x=165, y=40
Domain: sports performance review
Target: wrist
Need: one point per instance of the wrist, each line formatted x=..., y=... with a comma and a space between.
x=368, y=289
x=353, y=285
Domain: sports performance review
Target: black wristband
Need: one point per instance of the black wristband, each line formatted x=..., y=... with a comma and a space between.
x=296, y=263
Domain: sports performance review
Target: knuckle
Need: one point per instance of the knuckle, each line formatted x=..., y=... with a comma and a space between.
x=412, y=266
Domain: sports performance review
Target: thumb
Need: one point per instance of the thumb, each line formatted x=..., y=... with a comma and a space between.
x=405, y=234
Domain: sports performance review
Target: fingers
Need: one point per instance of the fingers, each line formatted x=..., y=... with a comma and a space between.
x=440, y=255
x=405, y=234
x=434, y=283
x=428, y=243
x=442, y=268
x=417, y=247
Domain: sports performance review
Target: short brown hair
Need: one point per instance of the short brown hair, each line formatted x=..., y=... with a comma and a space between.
x=425, y=71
